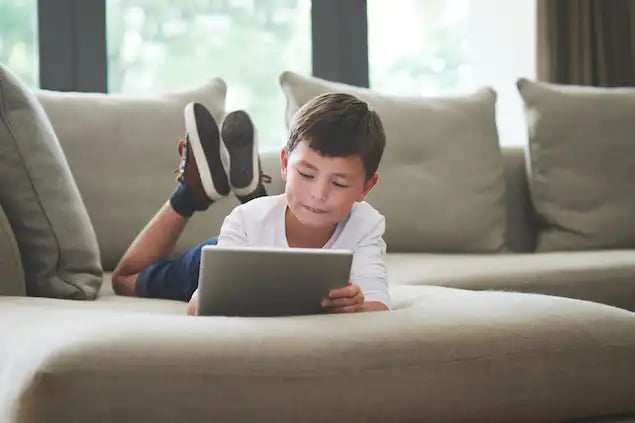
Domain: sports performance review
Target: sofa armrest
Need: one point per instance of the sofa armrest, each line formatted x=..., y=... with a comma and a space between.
x=11, y=271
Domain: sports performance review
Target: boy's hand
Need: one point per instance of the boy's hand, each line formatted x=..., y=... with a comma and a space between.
x=192, y=306
x=349, y=299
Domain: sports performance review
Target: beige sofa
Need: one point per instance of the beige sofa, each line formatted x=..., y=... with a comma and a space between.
x=506, y=336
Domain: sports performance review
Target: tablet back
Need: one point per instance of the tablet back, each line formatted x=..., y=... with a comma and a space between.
x=246, y=281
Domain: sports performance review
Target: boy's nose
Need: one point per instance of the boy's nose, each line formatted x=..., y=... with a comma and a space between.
x=319, y=191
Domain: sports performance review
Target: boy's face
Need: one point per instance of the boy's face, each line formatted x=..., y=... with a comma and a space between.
x=322, y=190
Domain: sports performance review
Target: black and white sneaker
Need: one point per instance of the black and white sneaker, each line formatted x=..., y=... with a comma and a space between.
x=204, y=143
x=240, y=156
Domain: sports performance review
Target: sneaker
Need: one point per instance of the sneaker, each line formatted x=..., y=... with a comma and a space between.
x=189, y=195
x=240, y=156
x=202, y=147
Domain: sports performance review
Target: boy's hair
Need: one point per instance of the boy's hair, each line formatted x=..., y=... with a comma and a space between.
x=340, y=125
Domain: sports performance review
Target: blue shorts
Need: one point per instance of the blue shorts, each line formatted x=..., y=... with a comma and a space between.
x=172, y=279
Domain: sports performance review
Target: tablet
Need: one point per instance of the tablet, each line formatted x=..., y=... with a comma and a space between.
x=255, y=281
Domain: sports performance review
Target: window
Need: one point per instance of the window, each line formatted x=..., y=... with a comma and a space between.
x=503, y=48
x=18, y=39
x=163, y=45
x=440, y=47
x=418, y=47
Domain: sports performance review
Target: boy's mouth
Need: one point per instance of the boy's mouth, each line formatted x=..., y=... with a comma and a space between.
x=311, y=209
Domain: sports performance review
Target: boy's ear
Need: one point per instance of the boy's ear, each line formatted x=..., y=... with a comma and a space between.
x=368, y=185
x=284, y=161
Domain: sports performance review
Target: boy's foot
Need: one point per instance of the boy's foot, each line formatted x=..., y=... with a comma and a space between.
x=201, y=175
x=204, y=141
x=242, y=162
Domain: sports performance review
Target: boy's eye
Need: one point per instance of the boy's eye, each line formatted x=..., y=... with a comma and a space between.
x=305, y=175
x=340, y=185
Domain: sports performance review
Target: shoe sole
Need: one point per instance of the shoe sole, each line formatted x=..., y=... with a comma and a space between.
x=200, y=124
x=240, y=147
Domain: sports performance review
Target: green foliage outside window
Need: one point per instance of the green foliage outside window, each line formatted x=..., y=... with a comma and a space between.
x=18, y=39
x=162, y=45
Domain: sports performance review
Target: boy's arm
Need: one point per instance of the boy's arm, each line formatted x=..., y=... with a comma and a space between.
x=350, y=300
x=368, y=288
x=369, y=268
x=232, y=232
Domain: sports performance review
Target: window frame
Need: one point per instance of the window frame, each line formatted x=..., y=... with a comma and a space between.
x=73, y=51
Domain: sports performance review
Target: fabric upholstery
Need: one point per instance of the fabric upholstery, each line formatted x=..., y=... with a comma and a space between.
x=442, y=167
x=606, y=277
x=11, y=272
x=521, y=225
x=444, y=354
x=123, y=155
x=57, y=242
x=582, y=157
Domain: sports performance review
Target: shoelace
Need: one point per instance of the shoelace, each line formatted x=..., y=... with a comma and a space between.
x=180, y=171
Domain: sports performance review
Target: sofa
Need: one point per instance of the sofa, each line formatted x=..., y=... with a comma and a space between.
x=492, y=319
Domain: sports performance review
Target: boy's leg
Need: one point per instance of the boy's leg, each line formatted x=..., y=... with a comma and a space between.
x=201, y=180
x=172, y=279
x=144, y=270
x=155, y=242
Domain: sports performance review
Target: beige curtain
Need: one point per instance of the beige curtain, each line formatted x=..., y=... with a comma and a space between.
x=586, y=42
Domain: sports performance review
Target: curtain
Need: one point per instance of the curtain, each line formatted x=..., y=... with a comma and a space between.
x=586, y=42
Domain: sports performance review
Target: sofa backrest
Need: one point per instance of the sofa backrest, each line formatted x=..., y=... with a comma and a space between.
x=125, y=178
x=521, y=227
x=128, y=213
x=122, y=152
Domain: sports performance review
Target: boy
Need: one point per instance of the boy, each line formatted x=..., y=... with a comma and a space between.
x=329, y=166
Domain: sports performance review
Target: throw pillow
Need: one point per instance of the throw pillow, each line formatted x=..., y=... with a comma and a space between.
x=11, y=272
x=56, y=239
x=442, y=180
x=582, y=167
x=122, y=152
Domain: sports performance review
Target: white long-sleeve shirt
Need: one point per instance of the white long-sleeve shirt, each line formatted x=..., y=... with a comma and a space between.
x=261, y=223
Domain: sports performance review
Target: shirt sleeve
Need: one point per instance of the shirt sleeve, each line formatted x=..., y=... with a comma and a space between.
x=369, y=265
x=232, y=233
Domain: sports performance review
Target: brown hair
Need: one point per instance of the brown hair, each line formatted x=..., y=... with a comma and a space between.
x=340, y=125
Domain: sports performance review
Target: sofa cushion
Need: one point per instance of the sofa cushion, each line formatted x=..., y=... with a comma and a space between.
x=445, y=354
x=442, y=184
x=521, y=226
x=123, y=154
x=40, y=198
x=107, y=302
x=602, y=276
x=11, y=272
x=582, y=176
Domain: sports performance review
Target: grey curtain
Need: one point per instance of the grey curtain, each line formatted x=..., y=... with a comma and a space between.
x=586, y=42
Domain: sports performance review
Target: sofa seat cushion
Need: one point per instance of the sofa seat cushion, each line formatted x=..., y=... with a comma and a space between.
x=448, y=354
x=403, y=296
x=602, y=276
x=107, y=302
